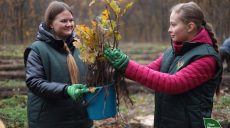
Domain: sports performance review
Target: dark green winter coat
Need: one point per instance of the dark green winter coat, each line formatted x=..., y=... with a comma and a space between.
x=47, y=77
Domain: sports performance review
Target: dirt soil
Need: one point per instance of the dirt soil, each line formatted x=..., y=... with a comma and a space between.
x=140, y=115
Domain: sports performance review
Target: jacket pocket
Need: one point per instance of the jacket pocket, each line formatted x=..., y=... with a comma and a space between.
x=35, y=105
x=195, y=116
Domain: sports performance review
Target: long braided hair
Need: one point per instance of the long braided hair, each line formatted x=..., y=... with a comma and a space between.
x=51, y=12
x=191, y=12
x=72, y=66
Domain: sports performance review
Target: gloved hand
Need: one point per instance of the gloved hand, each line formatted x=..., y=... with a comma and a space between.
x=76, y=90
x=116, y=57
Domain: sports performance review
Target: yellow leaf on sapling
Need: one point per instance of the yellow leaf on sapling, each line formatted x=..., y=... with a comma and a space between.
x=94, y=23
x=88, y=56
x=105, y=14
x=129, y=5
x=113, y=25
x=113, y=4
x=118, y=36
x=77, y=44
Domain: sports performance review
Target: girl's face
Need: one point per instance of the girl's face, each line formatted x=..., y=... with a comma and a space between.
x=63, y=24
x=178, y=30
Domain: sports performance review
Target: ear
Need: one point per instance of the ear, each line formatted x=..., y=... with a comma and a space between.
x=191, y=26
x=51, y=26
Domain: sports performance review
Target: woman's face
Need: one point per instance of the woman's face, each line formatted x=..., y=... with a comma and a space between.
x=178, y=30
x=63, y=24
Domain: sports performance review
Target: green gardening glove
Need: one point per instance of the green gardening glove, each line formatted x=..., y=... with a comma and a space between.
x=116, y=57
x=76, y=90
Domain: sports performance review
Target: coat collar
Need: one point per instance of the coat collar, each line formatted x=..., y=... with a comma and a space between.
x=201, y=38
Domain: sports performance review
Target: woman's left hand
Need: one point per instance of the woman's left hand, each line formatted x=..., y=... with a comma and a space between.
x=76, y=90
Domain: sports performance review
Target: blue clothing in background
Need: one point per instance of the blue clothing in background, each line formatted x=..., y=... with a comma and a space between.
x=226, y=45
x=225, y=53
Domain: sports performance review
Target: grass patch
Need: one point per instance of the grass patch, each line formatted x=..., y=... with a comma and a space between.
x=13, y=112
x=143, y=105
x=221, y=109
x=143, y=53
x=12, y=83
x=12, y=50
x=223, y=103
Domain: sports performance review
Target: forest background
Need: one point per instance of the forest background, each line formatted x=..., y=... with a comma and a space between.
x=146, y=21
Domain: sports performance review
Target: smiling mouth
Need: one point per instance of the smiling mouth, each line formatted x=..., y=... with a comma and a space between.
x=69, y=29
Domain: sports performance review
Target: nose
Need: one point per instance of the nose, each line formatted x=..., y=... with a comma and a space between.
x=169, y=30
x=69, y=23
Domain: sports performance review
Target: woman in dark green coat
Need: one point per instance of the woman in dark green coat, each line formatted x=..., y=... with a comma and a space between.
x=55, y=74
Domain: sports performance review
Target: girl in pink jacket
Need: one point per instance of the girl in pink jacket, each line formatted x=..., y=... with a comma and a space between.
x=186, y=76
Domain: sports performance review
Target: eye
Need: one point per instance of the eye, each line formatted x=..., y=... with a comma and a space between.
x=64, y=20
x=173, y=24
x=67, y=20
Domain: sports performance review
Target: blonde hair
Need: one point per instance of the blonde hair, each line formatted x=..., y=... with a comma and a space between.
x=191, y=12
x=72, y=66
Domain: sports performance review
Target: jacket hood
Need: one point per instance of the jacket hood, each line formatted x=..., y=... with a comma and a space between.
x=45, y=34
x=202, y=38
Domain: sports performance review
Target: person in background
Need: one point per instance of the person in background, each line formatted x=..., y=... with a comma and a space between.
x=185, y=77
x=55, y=74
x=225, y=53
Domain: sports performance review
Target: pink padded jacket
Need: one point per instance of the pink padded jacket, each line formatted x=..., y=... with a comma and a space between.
x=187, y=78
